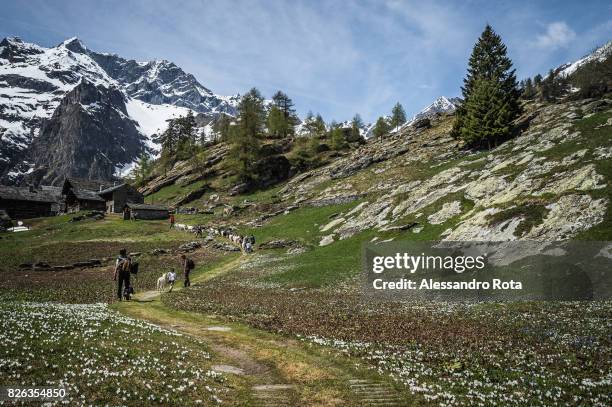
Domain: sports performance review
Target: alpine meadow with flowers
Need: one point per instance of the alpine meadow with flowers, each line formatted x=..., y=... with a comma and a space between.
x=165, y=245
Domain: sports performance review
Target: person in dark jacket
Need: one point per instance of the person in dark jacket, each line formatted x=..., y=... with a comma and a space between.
x=187, y=265
x=122, y=271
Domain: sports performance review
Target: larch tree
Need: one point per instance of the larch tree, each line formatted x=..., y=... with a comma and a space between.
x=528, y=89
x=221, y=127
x=282, y=117
x=142, y=170
x=381, y=128
x=337, y=139
x=245, y=135
x=277, y=127
x=398, y=116
x=356, y=125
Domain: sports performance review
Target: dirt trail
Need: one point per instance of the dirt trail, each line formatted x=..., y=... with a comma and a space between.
x=266, y=369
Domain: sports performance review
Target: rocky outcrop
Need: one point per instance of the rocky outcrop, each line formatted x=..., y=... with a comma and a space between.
x=448, y=210
x=424, y=123
x=191, y=196
x=568, y=216
x=327, y=240
x=546, y=184
x=272, y=170
x=189, y=247
x=88, y=136
x=185, y=172
x=278, y=244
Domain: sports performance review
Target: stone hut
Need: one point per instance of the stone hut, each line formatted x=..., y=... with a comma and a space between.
x=145, y=211
x=27, y=202
x=118, y=196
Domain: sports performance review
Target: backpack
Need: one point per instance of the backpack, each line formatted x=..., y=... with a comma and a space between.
x=126, y=264
x=134, y=268
x=190, y=264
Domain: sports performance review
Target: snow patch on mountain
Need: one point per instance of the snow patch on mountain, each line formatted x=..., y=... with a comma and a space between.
x=600, y=54
x=440, y=105
x=152, y=119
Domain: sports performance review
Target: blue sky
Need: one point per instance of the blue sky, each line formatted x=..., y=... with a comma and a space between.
x=334, y=57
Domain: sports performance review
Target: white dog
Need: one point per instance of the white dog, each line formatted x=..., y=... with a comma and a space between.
x=161, y=282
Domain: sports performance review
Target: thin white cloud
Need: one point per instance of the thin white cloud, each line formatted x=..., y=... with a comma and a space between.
x=332, y=57
x=557, y=35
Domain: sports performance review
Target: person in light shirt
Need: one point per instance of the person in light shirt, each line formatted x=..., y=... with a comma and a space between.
x=171, y=279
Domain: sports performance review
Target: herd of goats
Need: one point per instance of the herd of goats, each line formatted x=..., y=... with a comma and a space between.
x=245, y=243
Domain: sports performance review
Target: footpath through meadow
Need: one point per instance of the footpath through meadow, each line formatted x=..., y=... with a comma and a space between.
x=265, y=369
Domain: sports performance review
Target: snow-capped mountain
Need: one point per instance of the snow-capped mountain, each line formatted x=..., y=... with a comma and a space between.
x=365, y=130
x=599, y=54
x=158, y=82
x=301, y=129
x=35, y=81
x=440, y=105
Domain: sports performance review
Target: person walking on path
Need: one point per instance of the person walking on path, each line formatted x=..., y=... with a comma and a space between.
x=171, y=221
x=188, y=265
x=171, y=279
x=122, y=271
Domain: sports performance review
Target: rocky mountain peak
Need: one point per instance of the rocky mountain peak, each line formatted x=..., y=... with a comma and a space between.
x=445, y=103
x=163, y=82
x=74, y=45
x=11, y=41
x=14, y=49
x=89, y=136
x=442, y=104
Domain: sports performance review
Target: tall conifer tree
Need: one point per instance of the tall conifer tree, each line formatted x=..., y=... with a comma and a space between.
x=244, y=137
x=490, y=94
x=281, y=117
x=381, y=128
x=221, y=127
x=356, y=125
x=398, y=116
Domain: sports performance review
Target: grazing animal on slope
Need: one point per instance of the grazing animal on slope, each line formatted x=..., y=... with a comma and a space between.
x=161, y=282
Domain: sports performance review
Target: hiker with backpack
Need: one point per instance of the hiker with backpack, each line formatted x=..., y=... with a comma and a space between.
x=123, y=266
x=188, y=265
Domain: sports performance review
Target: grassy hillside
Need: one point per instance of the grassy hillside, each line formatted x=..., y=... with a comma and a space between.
x=553, y=181
x=562, y=158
